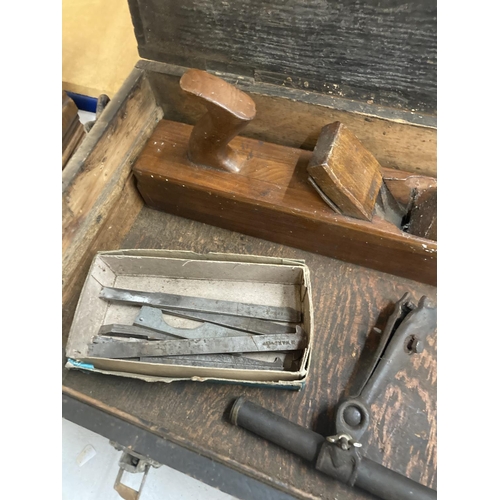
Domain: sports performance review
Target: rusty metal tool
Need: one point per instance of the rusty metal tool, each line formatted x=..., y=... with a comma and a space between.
x=162, y=331
x=149, y=324
x=404, y=336
x=339, y=455
x=235, y=360
x=249, y=325
x=218, y=361
x=141, y=348
x=150, y=317
x=172, y=301
x=132, y=331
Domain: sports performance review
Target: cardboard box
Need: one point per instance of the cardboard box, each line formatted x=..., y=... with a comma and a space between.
x=241, y=278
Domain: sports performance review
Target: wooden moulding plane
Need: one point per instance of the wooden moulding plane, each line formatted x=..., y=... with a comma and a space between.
x=210, y=174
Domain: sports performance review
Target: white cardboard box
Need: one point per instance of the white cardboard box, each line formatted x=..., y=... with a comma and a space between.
x=241, y=278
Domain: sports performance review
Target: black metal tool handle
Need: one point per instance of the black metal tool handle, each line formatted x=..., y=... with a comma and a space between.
x=369, y=476
x=276, y=429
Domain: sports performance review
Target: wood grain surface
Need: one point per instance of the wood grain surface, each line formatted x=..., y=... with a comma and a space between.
x=346, y=171
x=95, y=178
x=72, y=130
x=349, y=301
x=293, y=117
x=378, y=50
x=229, y=110
x=271, y=198
x=114, y=228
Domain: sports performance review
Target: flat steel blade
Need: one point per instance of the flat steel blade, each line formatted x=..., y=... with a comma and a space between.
x=388, y=208
x=216, y=361
x=132, y=331
x=142, y=348
x=250, y=325
x=151, y=317
x=172, y=301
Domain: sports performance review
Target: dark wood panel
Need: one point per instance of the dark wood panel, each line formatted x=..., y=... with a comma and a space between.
x=383, y=51
x=348, y=301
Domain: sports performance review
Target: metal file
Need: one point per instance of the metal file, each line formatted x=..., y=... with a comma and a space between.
x=172, y=301
x=142, y=348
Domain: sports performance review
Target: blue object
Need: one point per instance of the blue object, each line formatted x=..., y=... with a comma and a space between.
x=84, y=102
x=79, y=364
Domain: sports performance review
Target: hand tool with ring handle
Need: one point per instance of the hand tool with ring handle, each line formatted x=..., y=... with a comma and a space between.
x=339, y=455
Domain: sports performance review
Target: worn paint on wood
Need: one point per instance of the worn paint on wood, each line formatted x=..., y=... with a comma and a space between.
x=349, y=301
x=95, y=177
x=72, y=130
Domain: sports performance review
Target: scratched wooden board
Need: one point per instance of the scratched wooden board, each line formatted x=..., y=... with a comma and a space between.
x=97, y=177
x=72, y=129
x=348, y=301
x=383, y=51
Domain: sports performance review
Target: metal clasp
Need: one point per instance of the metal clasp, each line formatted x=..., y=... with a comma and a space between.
x=344, y=441
x=133, y=463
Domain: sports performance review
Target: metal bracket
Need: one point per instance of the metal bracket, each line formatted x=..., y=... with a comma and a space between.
x=133, y=463
x=404, y=336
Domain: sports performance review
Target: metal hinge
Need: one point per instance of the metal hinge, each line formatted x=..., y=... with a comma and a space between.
x=134, y=463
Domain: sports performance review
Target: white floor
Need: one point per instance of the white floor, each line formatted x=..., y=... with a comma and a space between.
x=90, y=466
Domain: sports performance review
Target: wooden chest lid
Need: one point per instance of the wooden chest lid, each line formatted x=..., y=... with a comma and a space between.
x=375, y=51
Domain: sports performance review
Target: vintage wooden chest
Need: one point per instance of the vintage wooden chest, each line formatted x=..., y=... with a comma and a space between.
x=371, y=66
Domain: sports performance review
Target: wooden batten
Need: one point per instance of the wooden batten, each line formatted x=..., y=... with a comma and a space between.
x=99, y=199
x=72, y=130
